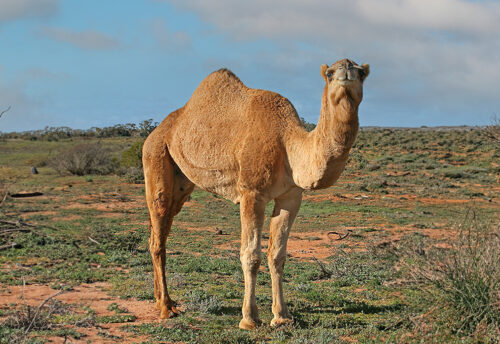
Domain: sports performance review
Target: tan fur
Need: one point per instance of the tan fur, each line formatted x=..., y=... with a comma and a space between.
x=248, y=146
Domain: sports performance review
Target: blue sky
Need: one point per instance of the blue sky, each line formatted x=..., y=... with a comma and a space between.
x=98, y=63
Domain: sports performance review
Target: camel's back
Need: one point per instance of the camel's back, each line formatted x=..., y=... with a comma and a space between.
x=223, y=123
x=222, y=97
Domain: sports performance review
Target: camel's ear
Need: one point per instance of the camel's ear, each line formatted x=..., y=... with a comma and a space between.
x=364, y=71
x=323, y=71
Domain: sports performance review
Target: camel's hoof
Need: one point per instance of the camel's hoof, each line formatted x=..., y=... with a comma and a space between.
x=277, y=322
x=249, y=324
x=168, y=312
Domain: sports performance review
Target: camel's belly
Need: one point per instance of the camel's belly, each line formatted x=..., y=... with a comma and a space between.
x=218, y=181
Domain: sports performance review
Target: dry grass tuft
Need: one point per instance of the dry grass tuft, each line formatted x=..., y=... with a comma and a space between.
x=464, y=280
x=492, y=131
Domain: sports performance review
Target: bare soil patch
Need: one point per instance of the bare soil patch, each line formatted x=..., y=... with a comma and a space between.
x=93, y=296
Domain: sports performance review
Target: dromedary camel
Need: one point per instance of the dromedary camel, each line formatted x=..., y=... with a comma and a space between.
x=248, y=146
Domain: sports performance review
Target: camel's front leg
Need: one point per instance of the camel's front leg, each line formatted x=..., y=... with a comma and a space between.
x=285, y=210
x=252, y=218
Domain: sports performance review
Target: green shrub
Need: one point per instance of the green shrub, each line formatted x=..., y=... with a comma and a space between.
x=132, y=157
x=134, y=175
x=131, y=163
x=307, y=126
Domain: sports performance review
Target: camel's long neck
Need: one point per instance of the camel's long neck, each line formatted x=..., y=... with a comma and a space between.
x=318, y=158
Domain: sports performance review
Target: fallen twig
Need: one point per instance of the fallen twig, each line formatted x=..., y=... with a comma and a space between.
x=4, y=198
x=94, y=241
x=340, y=235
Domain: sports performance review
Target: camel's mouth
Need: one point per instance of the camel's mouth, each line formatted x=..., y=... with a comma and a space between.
x=345, y=82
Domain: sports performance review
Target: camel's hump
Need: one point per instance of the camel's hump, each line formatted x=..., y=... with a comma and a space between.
x=223, y=76
x=227, y=73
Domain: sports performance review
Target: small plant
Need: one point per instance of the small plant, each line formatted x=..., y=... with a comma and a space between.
x=117, y=318
x=199, y=301
x=114, y=307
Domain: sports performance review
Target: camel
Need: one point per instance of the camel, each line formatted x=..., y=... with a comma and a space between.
x=248, y=146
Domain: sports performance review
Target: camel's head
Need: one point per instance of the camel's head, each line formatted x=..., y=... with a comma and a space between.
x=345, y=77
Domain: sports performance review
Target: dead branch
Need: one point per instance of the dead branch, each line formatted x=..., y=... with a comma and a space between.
x=4, y=111
x=12, y=230
x=340, y=235
x=18, y=223
x=11, y=245
x=26, y=194
x=21, y=223
x=324, y=270
x=40, y=307
x=21, y=226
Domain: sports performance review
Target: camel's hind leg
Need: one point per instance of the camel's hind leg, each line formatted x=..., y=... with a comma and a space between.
x=166, y=191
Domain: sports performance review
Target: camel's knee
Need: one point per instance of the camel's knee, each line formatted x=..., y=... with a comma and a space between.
x=160, y=204
x=276, y=261
x=156, y=249
x=250, y=260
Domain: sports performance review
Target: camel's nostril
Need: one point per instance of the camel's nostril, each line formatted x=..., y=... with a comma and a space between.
x=351, y=75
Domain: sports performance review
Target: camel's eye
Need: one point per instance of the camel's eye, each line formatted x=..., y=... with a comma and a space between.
x=329, y=74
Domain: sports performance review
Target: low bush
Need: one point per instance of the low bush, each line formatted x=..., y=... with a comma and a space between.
x=83, y=159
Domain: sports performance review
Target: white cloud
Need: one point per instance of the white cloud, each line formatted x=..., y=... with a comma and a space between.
x=15, y=9
x=461, y=16
x=177, y=41
x=87, y=40
x=25, y=113
x=32, y=107
x=37, y=73
x=325, y=19
x=427, y=53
